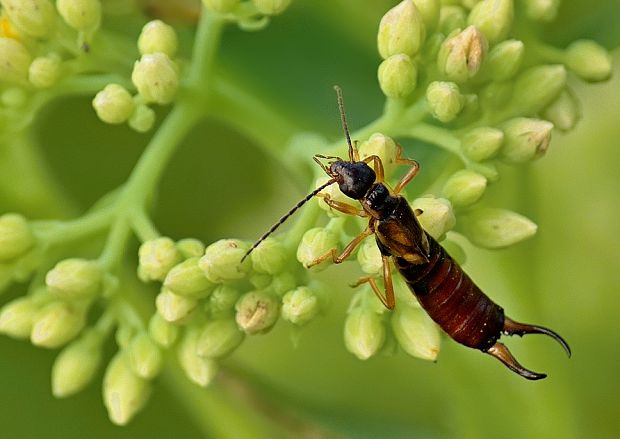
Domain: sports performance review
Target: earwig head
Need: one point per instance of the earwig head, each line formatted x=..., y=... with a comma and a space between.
x=354, y=179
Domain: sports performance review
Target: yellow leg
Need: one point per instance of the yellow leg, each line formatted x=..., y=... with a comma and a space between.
x=342, y=207
x=411, y=173
x=388, y=299
x=378, y=165
x=333, y=253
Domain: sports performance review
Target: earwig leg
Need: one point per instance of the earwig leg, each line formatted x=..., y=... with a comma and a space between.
x=342, y=207
x=333, y=253
x=501, y=352
x=411, y=173
x=515, y=328
x=388, y=299
x=378, y=164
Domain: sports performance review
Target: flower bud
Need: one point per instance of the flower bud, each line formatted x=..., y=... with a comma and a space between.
x=15, y=237
x=124, y=393
x=464, y=187
x=564, y=112
x=493, y=18
x=494, y=95
x=504, y=60
x=56, y=324
x=142, y=119
x=461, y=55
x=190, y=248
x=401, y=30
x=221, y=6
x=437, y=217
x=269, y=257
x=81, y=15
x=76, y=365
x=124, y=334
x=451, y=18
x=156, y=258
x=381, y=146
x=589, y=60
x=537, y=87
x=113, y=104
x=14, y=97
x=496, y=228
x=364, y=333
x=156, y=78
x=455, y=251
x=17, y=317
x=525, y=139
x=222, y=301
x=334, y=193
x=444, y=100
x=397, y=76
x=416, y=333
x=15, y=61
x=429, y=10
x=315, y=243
x=542, y=10
x=219, y=338
x=187, y=279
x=283, y=283
x=271, y=7
x=73, y=279
x=257, y=311
x=144, y=356
x=300, y=305
x=482, y=143
x=162, y=332
x=222, y=260
x=157, y=36
x=34, y=18
x=369, y=257
x=199, y=370
x=172, y=307
x=44, y=71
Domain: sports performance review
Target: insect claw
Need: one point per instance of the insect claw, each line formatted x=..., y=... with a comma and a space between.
x=501, y=352
x=515, y=328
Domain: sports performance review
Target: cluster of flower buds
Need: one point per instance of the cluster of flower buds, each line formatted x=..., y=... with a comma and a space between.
x=250, y=15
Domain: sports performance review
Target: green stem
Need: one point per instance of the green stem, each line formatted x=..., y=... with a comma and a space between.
x=143, y=226
x=55, y=232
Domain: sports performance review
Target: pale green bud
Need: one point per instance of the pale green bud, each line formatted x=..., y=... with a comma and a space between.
x=300, y=305
x=525, y=139
x=269, y=257
x=17, y=317
x=493, y=18
x=464, y=187
x=482, y=143
x=461, y=55
x=172, y=307
x=156, y=78
x=15, y=61
x=142, y=119
x=187, y=279
x=34, y=18
x=437, y=217
x=271, y=7
x=73, y=279
x=257, y=311
x=315, y=243
x=222, y=260
x=455, y=251
x=496, y=228
x=56, y=324
x=123, y=335
x=81, y=15
x=260, y=281
x=444, y=100
x=429, y=10
x=416, y=333
x=157, y=36
x=542, y=10
x=221, y=6
x=364, y=333
x=564, y=112
x=162, y=332
x=219, y=338
x=369, y=257
x=397, y=76
x=495, y=95
x=124, y=393
x=401, y=30
x=504, y=60
x=451, y=18
x=156, y=258
x=113, y=104
x=383, y=147
x=537, y=87
x=283, y=282
x=334, y=193
x=144, y=356
x=199, y=370
x=15, y=237
x=222, y=301
x=14, y=97
x=190, y=247
x=76, y=365
x=589, y=60
x=44, y=71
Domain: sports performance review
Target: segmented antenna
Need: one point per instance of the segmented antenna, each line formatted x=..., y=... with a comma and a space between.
x=343, y=118
x=285, y=217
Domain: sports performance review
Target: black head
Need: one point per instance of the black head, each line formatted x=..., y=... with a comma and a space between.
x=354, y=179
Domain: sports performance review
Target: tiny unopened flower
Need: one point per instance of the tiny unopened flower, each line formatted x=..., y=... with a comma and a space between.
x=401, y=30
x=190, y=247
x=525, y=139
x=542, y=10
x=44, y=71
x=364, y=332
x=156, y=258
x=34, y=18
x=482, y=143
x=17, y=317
x=383, y=147
x=221, y=6
x=271, y=7
x=257, y=311
x=172, y=307
x=15, y=61
x=162, y=332
x=124, y=334
x=222, y=260
x=283, y=282
x=564, y=112
x=157, y=36
x=73, y=279
x=537, y=87
x=369, y=257
x=495, y=95
x=187, y=279
x=460, y=56
x=81, y=15
x=451, y=17
x=56, y=324
x=219, y=338
x=504, y=60
x=437, y=217
x=589, y=60
x=156, y=77
x=142, y=119
x=496, y=228
x=76, y=365
x=315, y=243
x=222, y=301
x=334, y=193
x=301, y=305
x=15, y=236
x=269, y=257
x=416, y=333
x=198, y=369
x=144, y=356
x=113, y=104
x=493, y=18
x=429, y=10
x=455, y=251
x=124, y=393
x=397, y=76
x=464, y=187
x=14, y=97
x=444, y=100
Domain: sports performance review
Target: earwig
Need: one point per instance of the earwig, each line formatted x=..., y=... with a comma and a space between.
x=444, y=290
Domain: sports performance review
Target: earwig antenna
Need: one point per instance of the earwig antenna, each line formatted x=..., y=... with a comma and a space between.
x=343, y=118
x=285, y=217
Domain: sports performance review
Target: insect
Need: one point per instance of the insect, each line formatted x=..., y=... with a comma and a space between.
x=443, y=289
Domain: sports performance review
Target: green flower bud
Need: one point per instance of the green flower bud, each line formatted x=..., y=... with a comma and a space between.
x=451, y=18
x=222, y=260
x=401, y=30
x=156, y=258
x=190, y=247
x=269, y=257
x=369, y=257
x=283, y=283
x=113, y=104
x=123, y=335
x=461, y=55
x=300, y=305
x=81, y=15
x=14, y=97
x=15, y=61
x=271, y=7
x=257, y=311
x=162, y=332
x=482, y=143
x=76, y=365
x=455, y=251
x=73, y=279
x=364, y=333
x=334, y=193
x=56, y=324
x=429, y=10
x=589, y=60
x=219, y=338
x=525, y=139
x=493, y=18
x=17, y=317
x=124, y=393
x=15, y=237
x=381, y=146
x=504, y=60
x=397, y=76
x=144, y=357
x=416, y=333
x=34, y=18
x=187, y=279
x=221, y=6
x=464, y=187
x=157, y=36
x=199, y=370
x=156, y=78
x=444, y=100
x=44, y=71
x=542, y=10
x=222, y=301
x=172, y=307
x=564, y=112
x=142, y=119
x=437, y=217
x=315, y=243
x=496, y=228
x=537, y=87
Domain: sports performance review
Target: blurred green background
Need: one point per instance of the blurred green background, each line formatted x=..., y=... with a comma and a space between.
x=565, y=278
